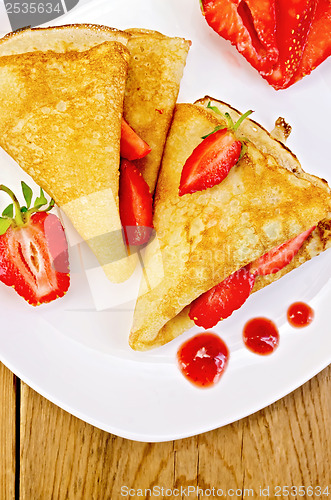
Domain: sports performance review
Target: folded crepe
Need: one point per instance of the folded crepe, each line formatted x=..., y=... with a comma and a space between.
x=79, y=37
x=61, y=121
x=155, y=70
x=204, y=237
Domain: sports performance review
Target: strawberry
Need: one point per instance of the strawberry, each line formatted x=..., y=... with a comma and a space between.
x=283, y=39
x=212, y=159
x=221, y=300
x=33, y=250
x=294, y=20
x=273, y=261
x=132, y=146
x=318, y=46
x=136, y=205
x=249, y=25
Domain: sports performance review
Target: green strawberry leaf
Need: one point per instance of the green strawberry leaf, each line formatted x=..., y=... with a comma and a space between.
x=230, y=121
x=4, y=225
x=27, y=193
x=24, y=209
x=9, y=211
x=40, y=200
x=213, y=108
x=219, y=127
x=241, y=119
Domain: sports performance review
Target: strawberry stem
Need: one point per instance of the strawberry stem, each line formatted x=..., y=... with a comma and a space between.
x=36, y=208
x=18, y=215
x=241, y=119
x=23, y=214
x=216, y=129
x=230, y=121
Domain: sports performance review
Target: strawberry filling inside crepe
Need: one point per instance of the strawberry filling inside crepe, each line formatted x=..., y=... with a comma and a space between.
x=218, y=244
x=222, y=300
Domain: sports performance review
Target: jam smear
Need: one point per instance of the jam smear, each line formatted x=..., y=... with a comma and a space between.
x=203, y=358
x=261, y=336
x=300, y=314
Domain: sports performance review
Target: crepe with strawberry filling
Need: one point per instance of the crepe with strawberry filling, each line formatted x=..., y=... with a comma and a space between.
x=205, y=237
x=155, y=70
x=61, y=121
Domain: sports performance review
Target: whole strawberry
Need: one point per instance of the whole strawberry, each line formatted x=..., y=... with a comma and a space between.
x=33, y=249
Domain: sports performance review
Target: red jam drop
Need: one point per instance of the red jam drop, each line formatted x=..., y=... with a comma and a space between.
x=261, y=336
x=203, y=359
x=300, y=314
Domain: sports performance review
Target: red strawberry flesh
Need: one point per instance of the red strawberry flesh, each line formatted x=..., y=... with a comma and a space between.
x=250, y=26
x=132, y=146
x=283, y=39
x=210, y=162
x=221, y=300
x=27, y=262
x=318, y=46
x=294, y=20
x=280, y=256
x=136, y=205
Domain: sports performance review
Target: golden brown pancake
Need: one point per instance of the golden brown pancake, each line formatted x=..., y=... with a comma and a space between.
x=61, y=121
x=204, y=237
x=155, y=70
x=79, y=37
x=273, y=144
x=156, y=67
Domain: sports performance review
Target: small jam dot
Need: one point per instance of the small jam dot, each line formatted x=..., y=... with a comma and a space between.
x=261, y=336
x=300, y=314
x=203, y=358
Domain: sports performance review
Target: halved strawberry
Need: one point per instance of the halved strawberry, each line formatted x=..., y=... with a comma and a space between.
x=212, y=159
x=221, y=300
x=249, y=25
x=33, y=250
x=273, y=261
x=294, y=20
x=318, y=46
x=132, y=146
x=136, y=205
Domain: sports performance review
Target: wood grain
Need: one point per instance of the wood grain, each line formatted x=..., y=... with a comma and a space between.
x=287, y=443
x=7, y=433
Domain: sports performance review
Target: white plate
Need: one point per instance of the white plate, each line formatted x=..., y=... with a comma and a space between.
x=74, y=351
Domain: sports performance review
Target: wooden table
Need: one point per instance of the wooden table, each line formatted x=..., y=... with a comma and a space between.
x=48, y=454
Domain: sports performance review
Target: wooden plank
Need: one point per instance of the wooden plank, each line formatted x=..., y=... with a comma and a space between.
x=287, y=443
x=220, y=458
x=7, y=433
x=63, y=457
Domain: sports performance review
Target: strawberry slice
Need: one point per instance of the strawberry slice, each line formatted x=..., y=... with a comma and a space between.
x=249, y=25
x=132, y=146
x=33, y=250
x=318, y=46
x=273, y=261
x=294, y=20
x=221, y=300
x=136, y=205
x=212, y=159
